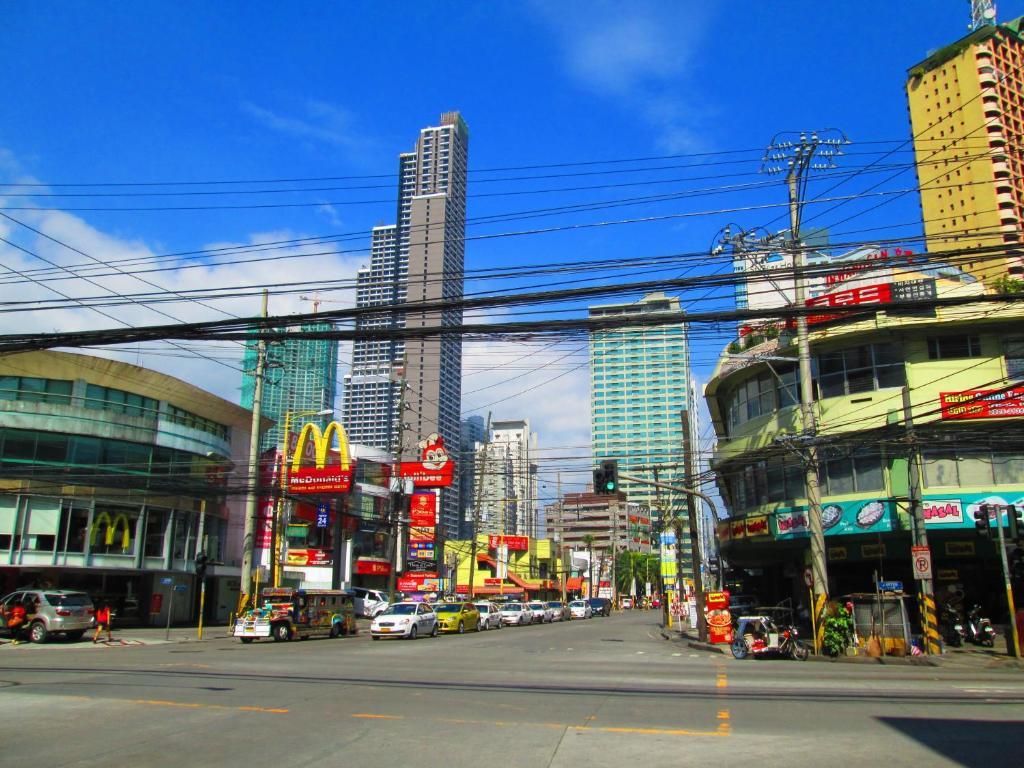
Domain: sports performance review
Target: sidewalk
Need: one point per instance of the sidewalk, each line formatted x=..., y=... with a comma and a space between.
x=140, y=636
x=969, y=657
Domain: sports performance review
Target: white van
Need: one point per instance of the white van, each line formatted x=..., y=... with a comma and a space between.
x=370, y=602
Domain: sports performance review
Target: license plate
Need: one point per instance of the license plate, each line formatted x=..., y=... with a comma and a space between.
x=383, y=629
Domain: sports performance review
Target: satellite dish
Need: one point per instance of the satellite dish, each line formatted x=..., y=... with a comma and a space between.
x=989, y=14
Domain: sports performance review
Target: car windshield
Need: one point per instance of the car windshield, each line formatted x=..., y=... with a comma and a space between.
x=512, y=607
x=79, y=600
x=483, y=608
x=554, y=605
x=400, y=610
x=449, y=608
x=537, y=606
x=577, y=604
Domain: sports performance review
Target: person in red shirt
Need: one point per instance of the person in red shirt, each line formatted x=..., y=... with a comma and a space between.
x=102, y=622
x=16, y=621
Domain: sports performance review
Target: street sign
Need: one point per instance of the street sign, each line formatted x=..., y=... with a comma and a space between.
x=922, y=560
x=180, y=587
x=166, y=582
x=890, y=586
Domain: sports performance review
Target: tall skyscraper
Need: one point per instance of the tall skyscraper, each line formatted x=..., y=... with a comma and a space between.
x=639, y=388
x=967, y=115
x=301, y=376
x=506, y=480
x=471, y=434
x=419, y=259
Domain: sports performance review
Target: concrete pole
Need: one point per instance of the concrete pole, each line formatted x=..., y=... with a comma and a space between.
x=252, y=482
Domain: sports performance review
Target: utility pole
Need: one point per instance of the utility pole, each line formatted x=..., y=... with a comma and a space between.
x=1014, y=637
x=397, y=492
x=476, y=508
x=796, y=156
x=252, y=483
x=926, y=591
x=691, y=515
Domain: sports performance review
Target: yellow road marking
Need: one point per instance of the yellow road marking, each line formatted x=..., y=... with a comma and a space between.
x=559, y=726
x=195, y=705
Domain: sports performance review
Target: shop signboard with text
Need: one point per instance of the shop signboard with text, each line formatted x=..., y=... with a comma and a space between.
x=982, y=403
x=844, y=518
x=957, y=511
x=423, y=509
x=320, y=478
x=435, y=469
x=372, y=567
x=514, y=543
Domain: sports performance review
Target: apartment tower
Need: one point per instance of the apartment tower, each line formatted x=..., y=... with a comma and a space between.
x=640, y=389
x=967, y=115
x=417, y=261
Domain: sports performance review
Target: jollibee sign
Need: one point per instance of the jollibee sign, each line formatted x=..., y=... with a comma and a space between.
x=435, y=469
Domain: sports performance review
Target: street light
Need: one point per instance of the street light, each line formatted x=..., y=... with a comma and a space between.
x=276, y=538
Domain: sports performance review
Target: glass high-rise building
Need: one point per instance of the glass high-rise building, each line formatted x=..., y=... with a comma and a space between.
x=300, y=376
x=418, y=259
x=640, y=387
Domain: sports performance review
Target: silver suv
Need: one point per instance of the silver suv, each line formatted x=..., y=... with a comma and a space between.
x=57, y=611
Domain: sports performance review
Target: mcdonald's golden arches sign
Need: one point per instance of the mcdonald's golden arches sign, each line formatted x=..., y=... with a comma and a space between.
x=321, y=479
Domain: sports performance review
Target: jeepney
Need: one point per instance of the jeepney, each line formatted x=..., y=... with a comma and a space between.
x=284, y=613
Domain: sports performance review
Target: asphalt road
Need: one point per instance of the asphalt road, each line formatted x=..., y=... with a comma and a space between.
x=603, y=692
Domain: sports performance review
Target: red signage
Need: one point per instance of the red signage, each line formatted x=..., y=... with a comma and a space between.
x=462, y=589
x=514, y=543
x=493, y=582
x=852, y=297
x=982, y=403
x=308, y=557
x=423, y=509
x=435, y=469
x=323, y=481
x=373, y=567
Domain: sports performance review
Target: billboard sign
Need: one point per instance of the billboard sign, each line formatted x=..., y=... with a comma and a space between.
x=982, y=403
x=320, y=479
x=435, y=469
x=423, y=509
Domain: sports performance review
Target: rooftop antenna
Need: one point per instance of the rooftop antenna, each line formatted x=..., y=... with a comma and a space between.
x=983, y=13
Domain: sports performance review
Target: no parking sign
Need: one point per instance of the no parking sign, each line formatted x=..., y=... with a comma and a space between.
x=922, y=561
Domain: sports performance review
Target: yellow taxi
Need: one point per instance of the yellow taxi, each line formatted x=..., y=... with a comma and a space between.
x=457, y=617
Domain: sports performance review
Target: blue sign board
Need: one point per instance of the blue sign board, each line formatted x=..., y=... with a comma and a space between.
x=890, y=586
x=166, y=582
x=323, y=515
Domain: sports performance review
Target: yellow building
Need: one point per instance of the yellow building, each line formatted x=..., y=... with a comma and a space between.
x=506, y=565
x=967, y=115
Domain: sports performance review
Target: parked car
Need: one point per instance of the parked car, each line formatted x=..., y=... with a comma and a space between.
x=627, y=603
x=458, y=617
x=516, y=613
x=57, y=612
x=370, y=602
x=559, y=611
x=409, y=620
x=601, y=606
x=541, y=612
x=490, y=615
x=580, y=609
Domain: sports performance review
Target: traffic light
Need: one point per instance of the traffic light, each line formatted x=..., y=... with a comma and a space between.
x=201, y=562
x=1015, y=515
x=981, y=520
x=606, y=477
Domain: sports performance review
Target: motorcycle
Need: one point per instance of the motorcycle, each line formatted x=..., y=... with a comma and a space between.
x=952, y=627
x=979, y=629
x=760, y=636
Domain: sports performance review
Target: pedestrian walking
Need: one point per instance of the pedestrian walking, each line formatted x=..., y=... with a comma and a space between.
x=103, y=616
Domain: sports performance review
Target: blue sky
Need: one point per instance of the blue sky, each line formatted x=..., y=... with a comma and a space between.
x=190, y=91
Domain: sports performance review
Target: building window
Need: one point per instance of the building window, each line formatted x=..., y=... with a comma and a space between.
x=34, y=390
x=119, y=401
x=953, y=347
x=861, y=369
x=847, y=472
x=1014, y=350
x=952, y=467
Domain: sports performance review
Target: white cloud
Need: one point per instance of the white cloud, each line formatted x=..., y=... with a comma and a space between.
x=210, y=365
x=314, y=121
x=639, y=54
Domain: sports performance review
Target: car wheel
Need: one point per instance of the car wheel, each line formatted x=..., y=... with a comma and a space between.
x=739, y=648
x=335, y=629
x=413, y=632
x=462, y=628
x=480, y=626
x=38, y=633
x=376, y=637
x=281, y=633
x=435, y=631
x=75, y=636
x=246, y=640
